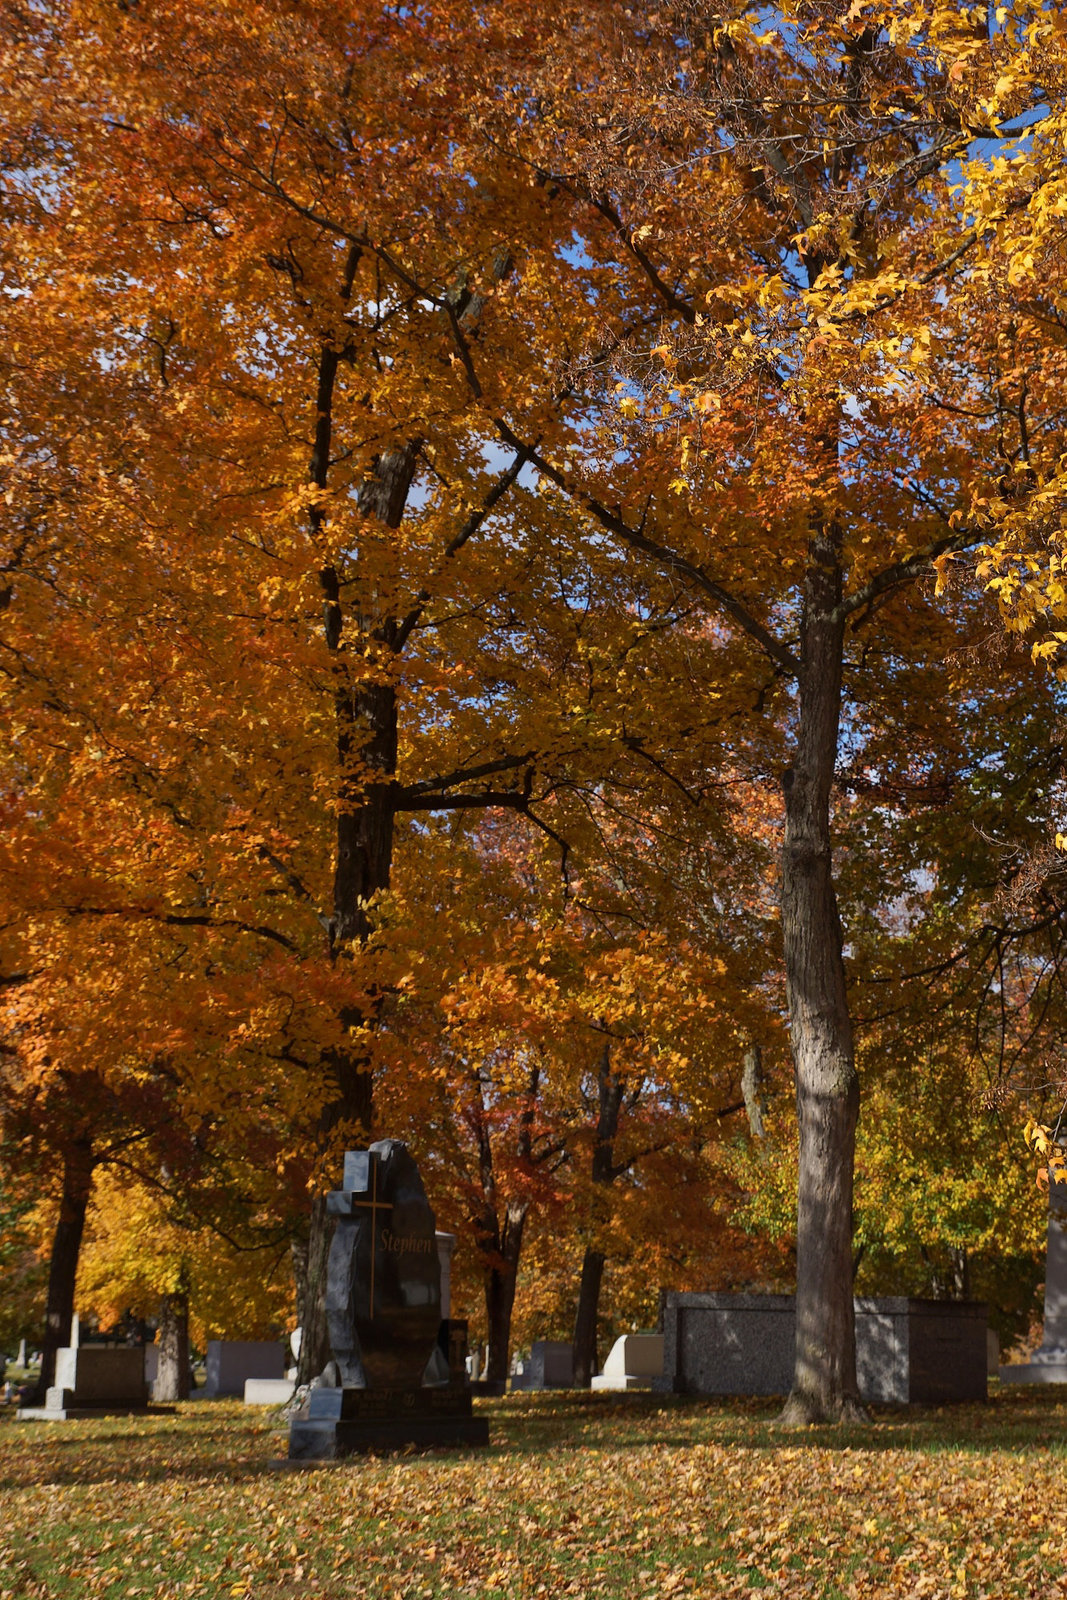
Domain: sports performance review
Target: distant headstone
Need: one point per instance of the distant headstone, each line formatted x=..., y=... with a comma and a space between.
x=446, y=1246
x=91, y=1381
x=230, y=1363
x=1049, y=1363
x=401, y=1367
x=634, y=1360
x=925, y=1351
x=268, y=1391
x=20, y=1359
x=550, y=1366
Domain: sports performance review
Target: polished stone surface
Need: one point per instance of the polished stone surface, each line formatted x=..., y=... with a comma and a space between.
x=383, y=1292
x=402, y=1366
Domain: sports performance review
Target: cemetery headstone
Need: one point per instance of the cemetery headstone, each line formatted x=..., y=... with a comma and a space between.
x=401, y=1367
x=550, y=1366
x=634, y=1360
x=1049, y=1363
x=229, y=1363
x=91, y=1381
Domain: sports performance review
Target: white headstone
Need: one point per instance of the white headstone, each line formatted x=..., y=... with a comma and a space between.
x=633, y=1361
x=75, y=1332
x=446, y=1244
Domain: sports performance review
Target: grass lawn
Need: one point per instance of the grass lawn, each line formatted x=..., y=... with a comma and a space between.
x=578, y=1495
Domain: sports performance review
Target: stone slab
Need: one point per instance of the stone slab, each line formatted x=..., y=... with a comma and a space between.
x=231, y=1362
x=550, y=1366
x=75, y=1413
x=346, y=1421
x=268, y=1391
x=605, y=1381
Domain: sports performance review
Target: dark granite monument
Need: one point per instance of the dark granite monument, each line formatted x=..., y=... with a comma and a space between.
x=401, y=1369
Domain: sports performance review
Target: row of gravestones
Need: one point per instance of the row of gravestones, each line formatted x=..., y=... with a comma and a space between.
x=398, y=1374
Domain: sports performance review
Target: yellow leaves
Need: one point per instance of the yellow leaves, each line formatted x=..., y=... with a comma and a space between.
x=708, y=402
x=629, y=408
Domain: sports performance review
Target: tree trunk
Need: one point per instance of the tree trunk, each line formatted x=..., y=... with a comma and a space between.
x=502, y=1249
x=604, y=1172
x=365, y=713
x=827, y=1088
x=586, y=1360
x=172, y=1375
x=63, y=1267
x=752, y=1090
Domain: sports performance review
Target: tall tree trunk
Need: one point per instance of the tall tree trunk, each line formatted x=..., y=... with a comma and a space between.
x=78, y=1166
x=604, y=1172
x=172, y=1374
x=827, y=1087
x=586, y=1360
x=502, y=1248
x=366, y=734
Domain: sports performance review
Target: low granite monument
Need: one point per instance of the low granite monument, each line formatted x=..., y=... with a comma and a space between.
x=907, y=1351
x=1049, y=1363
x=400, y=1368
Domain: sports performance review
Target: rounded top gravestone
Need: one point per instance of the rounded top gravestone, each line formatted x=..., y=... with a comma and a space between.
x=383, y=1295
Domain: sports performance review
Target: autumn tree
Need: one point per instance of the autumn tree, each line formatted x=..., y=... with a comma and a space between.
x=770, y=251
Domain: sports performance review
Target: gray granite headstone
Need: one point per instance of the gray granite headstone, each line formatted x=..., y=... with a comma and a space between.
x=1049, y=1363
x=401, y=1367
x=550, y=1366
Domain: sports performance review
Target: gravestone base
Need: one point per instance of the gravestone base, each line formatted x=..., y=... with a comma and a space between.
x=348, y=1421
x=72, y=1413
x=1046, y=1366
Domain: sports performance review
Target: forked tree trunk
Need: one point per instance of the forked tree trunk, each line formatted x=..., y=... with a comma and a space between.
x=63, y=1267
x=827, y=1087
x=172, y=1374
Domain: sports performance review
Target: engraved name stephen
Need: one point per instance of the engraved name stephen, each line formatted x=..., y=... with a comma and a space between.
x=402, y=1244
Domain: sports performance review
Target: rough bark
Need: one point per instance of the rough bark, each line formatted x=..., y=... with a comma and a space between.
x=752, y=1090
x=172, y=1375
x=365, y=712
x=827, y=1087
x=586, y=1355
x=78, y=1166
x=604, y=1172
x=501, y=1249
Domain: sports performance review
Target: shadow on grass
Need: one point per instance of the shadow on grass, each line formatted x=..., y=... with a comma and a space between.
x=240, y=1448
